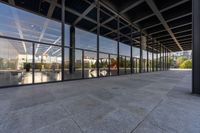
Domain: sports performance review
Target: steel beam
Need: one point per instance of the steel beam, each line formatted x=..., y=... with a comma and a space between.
x=162, y=10
x=160, y=17
x=93, y=5
x=170, y=20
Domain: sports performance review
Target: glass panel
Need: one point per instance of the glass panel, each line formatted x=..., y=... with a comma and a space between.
x=104, y=64
x=15, y=62
x=124, y=49
x=137, y=62
x=128, y=65
x=113, y=64
x=76, y=71
x=136, y=52
x=90, y=59
x=107, y=45
x=24, y=25
x=47, y=63
x=134, y=65
x=67, y=35
x=78, y=64
x=85, y=40
x=121, y=64
x=66, y=64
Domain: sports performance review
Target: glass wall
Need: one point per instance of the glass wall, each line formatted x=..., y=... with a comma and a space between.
x=124, y=58
x=90, y=68
x=104, y=64
x=113, y=64
x=21, y=24
x=17, y=55
x=15, y=62
x=76, y=71
x=47, y=64
x=107, y=56
x=136, y=57
x=34, y=51
x=85, y=40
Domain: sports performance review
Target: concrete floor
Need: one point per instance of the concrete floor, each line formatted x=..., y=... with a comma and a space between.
x=142, y=103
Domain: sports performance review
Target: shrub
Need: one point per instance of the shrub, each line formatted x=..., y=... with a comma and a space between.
x=180, y=60
x=186, y=64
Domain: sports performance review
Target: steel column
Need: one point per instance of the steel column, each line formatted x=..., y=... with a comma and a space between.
x=33, y=63
x=131, y=48
x=109, y=64
x=63, y=39
x=196, y=46
x=147, y=48
x=163, y=61
x=118, y=37
x=141, y=55
x=83, y=66
x=152, y=64
x=156, y=60
x=160, y=58
x=72, y=50
x=98, y=32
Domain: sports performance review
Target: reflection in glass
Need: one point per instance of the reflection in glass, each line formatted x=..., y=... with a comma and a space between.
x=122, y=65
x=90, y=60
x=124, y=49
x=15, y=62
x=113, y=65
x=107, y=45
x=76, y=72
x=85, y=40
x=47, y=63
x=24, y=25
x=128, y=65
x=104, y=64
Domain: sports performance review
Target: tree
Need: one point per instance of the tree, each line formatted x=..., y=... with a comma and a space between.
x=180, y=60
x=186, y=64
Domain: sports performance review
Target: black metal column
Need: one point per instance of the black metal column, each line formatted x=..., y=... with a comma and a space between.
x=147, y=48
x=63, y=39
x=153, y=64
x=167, y=60
x=72, y=50
x=196, y=46
x=141, y=55
x=163, y=61
x=164, y=57
x=109, y=62
x=131, y=60
x=83, y=66
x=131, y=48
x=98, y=32
x=33, y=63
x=160, y=58
x=118, y=39
x=156, y=60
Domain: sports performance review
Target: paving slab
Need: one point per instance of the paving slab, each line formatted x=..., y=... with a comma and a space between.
x=159, y=102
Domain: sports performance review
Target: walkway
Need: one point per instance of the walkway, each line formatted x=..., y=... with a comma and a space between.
x=142, y=103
